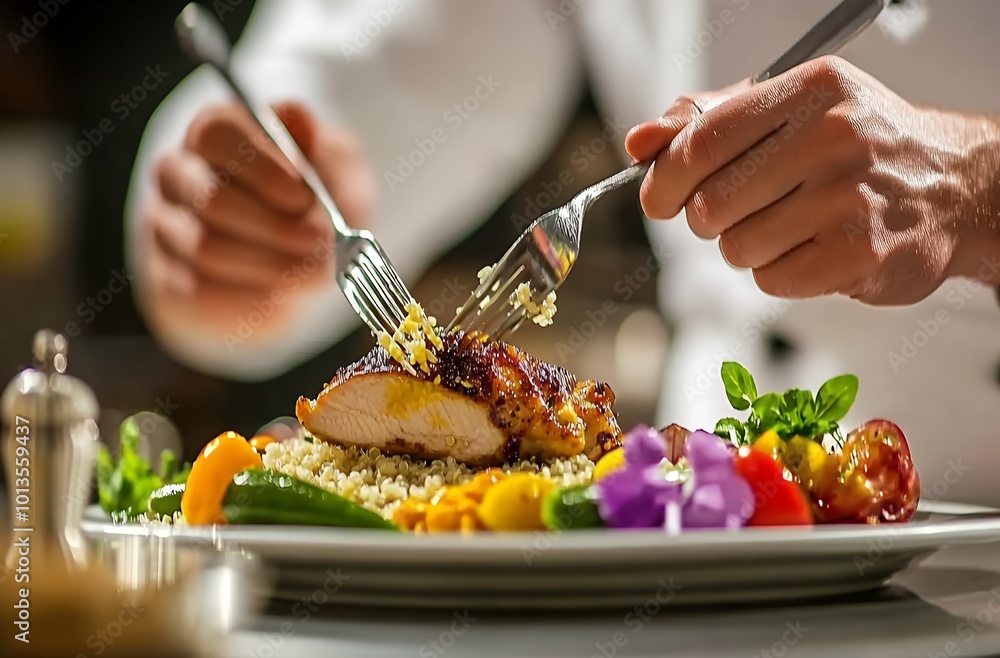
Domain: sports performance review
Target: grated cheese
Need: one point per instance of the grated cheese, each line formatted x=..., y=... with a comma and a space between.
x=409, y=344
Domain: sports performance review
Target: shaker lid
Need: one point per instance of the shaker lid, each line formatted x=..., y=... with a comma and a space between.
x=45, y=394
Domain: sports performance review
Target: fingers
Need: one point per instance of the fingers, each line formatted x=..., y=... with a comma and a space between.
x=762, y=176
x=189, y=182
x=209, y=256
x=229, y=140
x=647, y=139
x=768, y=234
x=725, y=132
x=825, y=265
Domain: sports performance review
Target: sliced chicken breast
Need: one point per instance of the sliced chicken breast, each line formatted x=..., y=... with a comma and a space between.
x=481, y=403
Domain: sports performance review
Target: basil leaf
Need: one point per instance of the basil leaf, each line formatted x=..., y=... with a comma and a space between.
x=806, y=405
x=790, y=407
x=732, y=429
x=740, y=387
x=767, y=409
x=835, y=397
x=783, y=429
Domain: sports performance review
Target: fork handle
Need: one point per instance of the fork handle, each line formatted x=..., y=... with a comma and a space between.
x=846, y=21
x=204, y=40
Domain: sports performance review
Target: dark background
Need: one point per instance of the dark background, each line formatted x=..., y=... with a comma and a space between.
x=62, y=241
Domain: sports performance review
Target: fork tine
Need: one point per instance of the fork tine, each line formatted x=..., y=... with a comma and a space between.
x=357, y=302
x=366, y=298
x=514, y=321
x=492, y=290
x=503, y=324
x=496, y=303
x=377, y=286
x=395, y=284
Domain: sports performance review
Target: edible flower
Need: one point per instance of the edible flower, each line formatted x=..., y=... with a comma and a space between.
x=644, y=495
x=717, y=497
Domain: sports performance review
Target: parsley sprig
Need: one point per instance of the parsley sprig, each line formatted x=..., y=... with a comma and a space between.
x=792, y=413
x=124, y=485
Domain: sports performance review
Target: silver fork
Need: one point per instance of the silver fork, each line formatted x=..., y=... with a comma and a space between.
x=367, y=278
x=544, y=254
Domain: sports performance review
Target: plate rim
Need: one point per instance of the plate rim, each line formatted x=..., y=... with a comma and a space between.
x=923, y=535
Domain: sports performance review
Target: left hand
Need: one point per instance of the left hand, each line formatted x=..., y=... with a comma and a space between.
x=823, y=181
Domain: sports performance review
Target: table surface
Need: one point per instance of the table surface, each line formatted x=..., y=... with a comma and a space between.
x=948, y=604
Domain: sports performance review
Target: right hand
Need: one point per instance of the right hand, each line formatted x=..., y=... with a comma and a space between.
x=230, y=223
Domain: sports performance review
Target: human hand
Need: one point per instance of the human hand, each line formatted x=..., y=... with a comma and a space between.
x=230, y=224
x=823, y=181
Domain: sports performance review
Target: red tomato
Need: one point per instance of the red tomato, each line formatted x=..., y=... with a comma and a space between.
x=878, y=483
x=777, y=499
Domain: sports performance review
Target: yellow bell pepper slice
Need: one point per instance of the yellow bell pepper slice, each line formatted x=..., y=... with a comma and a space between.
x=212, y=473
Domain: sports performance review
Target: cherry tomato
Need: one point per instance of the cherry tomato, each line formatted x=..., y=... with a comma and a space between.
x=778, y=499
x=877, y=483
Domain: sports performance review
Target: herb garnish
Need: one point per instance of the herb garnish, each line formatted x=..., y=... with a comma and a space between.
x=792, y=413
x=124, y=486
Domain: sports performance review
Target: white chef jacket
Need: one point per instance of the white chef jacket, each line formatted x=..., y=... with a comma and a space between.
x=456, y=102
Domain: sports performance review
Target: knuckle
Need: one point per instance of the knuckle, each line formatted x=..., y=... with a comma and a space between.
x=767, y=282
x=836, y=73
x=736, y=249
x=694, y=151
x=164, y=168
x=842, y=127
x=703, y=211
x=206, y=126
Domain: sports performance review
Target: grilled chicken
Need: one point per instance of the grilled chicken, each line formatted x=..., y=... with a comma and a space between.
x=481, y=403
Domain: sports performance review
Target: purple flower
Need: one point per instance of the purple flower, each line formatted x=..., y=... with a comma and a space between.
x=717, y=497
x=637, y=495
x=640, y=496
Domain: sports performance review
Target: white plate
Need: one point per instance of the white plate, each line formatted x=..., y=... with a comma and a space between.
x=583, y=568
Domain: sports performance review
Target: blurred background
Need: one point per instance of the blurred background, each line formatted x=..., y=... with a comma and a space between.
x=61, y=230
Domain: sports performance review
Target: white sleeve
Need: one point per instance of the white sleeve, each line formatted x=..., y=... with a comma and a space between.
x=454, y=103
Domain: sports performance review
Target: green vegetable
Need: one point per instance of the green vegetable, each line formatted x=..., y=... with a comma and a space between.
x=166, y=501
x=740, y=387
x=792, y=413
x=124, y=487
x=270, y=497
x=572, y=508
